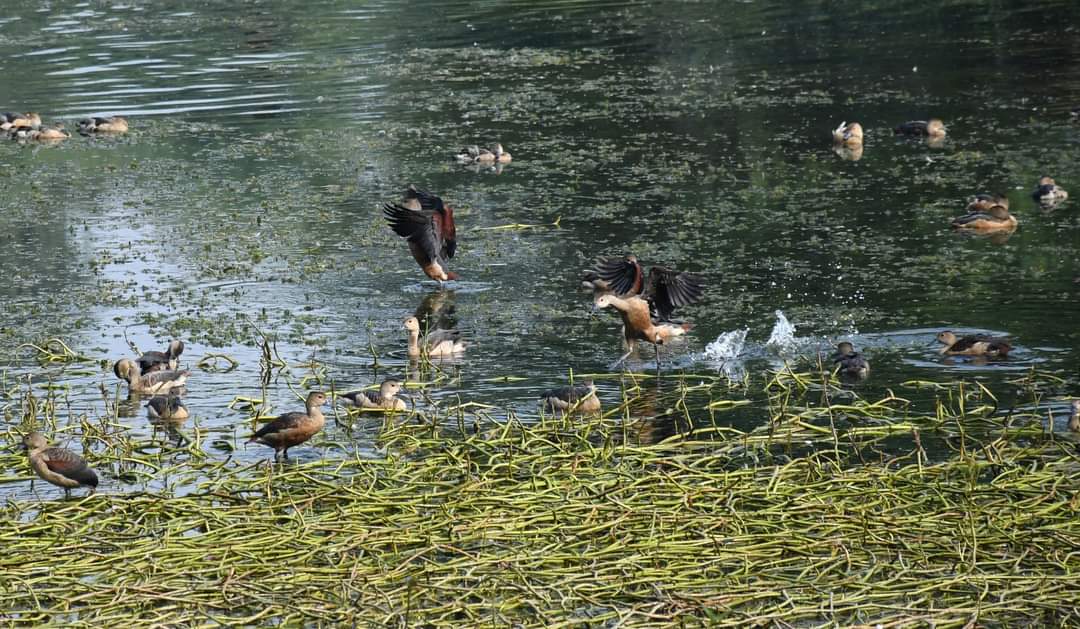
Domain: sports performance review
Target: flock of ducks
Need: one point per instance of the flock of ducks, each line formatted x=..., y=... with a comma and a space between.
x=986, y=213
x=645, y=303
x=29, y=127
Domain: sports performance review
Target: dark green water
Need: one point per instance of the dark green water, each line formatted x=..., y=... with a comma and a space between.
x=266, y=135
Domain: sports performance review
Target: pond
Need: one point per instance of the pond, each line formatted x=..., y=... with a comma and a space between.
x=242, y=212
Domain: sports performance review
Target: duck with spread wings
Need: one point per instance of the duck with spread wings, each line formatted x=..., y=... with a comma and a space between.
x=427, y=224
x=645, y=303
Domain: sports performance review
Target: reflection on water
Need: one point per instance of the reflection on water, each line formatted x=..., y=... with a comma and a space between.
x=244, y=203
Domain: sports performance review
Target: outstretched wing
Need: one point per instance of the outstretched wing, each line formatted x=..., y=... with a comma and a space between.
x=418, y=228
x=427, y=201
x=623, y=276
x=669, y=289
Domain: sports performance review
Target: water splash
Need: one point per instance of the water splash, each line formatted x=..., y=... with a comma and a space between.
x=783, y=333
x=727, y=346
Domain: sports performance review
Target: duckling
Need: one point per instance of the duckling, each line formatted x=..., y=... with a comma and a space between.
x=385, y=398
x=292, y=429
x=9, y=120
x=166, y=408
x=1049, y=193
x=157, y=361
x=161, y=381
x=496, y=154
x=849, y=362
x=437, y=343
x=996, y=219
x=973, y=345
x=109, y=124
x=933, y=128
x=59, y=466
x=581, y=398
x=427, y=224
x=848, y=134
x=1074, y=419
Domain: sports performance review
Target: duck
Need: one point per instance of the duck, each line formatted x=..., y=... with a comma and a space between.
x=496, y=155
x=580, y=398
x=436, y=344
x=1049, y=193
x=996, y=219
x=161, y=381
x=427, y=224
x=39, y=133
x=108, y=124
x=166, y=408
x=385, y=398
x=158, y=361
x=9, y=120
x=849, y=362
x=645, y=306
x=972, y=345
x=848, y=134
x=1074, y=419
x=292, y=429
x=933, y=128
x=58, y=466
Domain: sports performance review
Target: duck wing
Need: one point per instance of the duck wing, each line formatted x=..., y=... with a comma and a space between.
x=67, y=463
x=668, y=289
x=279, y=424
x=435, y=337
x=622, y=276
x=418, y=228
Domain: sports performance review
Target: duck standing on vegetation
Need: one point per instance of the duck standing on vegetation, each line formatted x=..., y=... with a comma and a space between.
x=580, y=398
x=1048, y=193
x=933, y=128
x=161, y=381
x=849, y=362
x=166, y=408
x=158, y=361
x=59, y=466
x=385, y=398
x=973, y=345
x=427, y=224
x=110, y=124
x=292, y=429
x=436, y=344
x=645, y=306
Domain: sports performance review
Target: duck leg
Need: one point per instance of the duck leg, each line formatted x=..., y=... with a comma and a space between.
x=622, y=358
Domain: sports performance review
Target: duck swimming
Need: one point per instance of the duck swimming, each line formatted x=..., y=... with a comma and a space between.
x=385, y=398
x=972, y=345
x=110, y=124
x=933, y=128
x=160, y=381
x=848, y=134
x=166, y=408
x=580, y=398
x=437, y=343
x=849, y=362
x=9, y=120
x=995, y=219
x=1048, y=193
